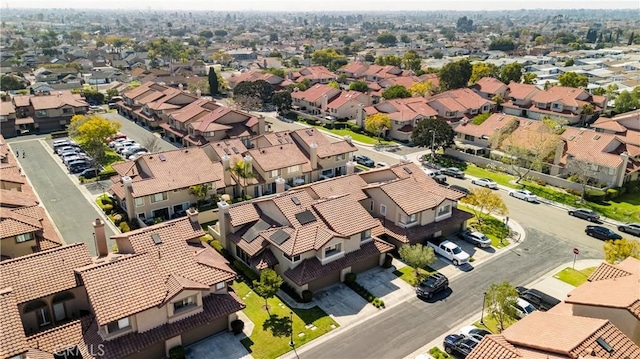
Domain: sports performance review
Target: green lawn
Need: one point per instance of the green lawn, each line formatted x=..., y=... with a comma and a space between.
x=490, y=227
x=625, y=208
x=407, y=274
x=270, y=338
x=574, y=277
x=491, y=324
x=355, y=136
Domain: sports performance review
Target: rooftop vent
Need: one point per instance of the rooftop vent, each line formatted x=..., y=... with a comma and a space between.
x=407, y=169
x=162, y=157
x=295, y=201
x=279, y=236
x=226, y=150
x=309, y=131
x=226, y=142
x=280, y=140
x=156, y=238
x=235, y=150
x=603, y=343
x=596, y=137
x=278, y=134
x=305, y=217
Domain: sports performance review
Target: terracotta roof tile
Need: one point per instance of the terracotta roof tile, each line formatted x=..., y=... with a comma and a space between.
x=607, y=271
x=279, y=156
x=12, y=339
x=417, y=234
x=333, y=210
x=316, y=92
x=489, y=85
x=10, y=198
x=28, y=280
x=12, y=174
x=351, y=184
x=398, y=190
x=242, y=214
x=123, y=286
x=520, y=91
x=311, y=268
x=494, y=347
x=597, y=293
x=623, y=346
x=264, y=260
x=13, y=223
x=326, y=148
x=53, y=101
x=590, y=146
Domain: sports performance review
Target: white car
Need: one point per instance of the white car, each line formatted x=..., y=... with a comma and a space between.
x=382, y=164
x=523, y=194
x=136, y=155
x=485, y=182
x=523, y=308
x=474, y=332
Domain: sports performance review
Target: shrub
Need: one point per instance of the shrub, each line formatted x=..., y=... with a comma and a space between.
x=124, y=227
x=574, y=192
x=249, y=274
x=350, y=277
x=177, y=352
x=237, y=326
x=287, y=288
x=388, y=259
x=106, y=175
x=595, y=195
x=215, y=244
x=117, y=219
x=307, y=296
x=611, y=194
x=248, y=197
x=107, y=208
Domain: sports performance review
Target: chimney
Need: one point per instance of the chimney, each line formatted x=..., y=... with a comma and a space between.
x=351, y=167
x=325, y=102
x=264, y=64
x=100, y=238
x=192, y=213
x=280, y=185
x=226, y=164
x=223, y=212
x=180, y=87
x=128, y=197
x=248, y=160
x=559, y=152
x=348, y=139
x=360, y=115
x=198, y=93
x=262, y=126
x=623, y=169
x=313, y=155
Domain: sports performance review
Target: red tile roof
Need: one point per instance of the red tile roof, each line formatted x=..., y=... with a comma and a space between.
x=494, y=347
x=489, y=85
x=28, y=280
x=520, y=91
x=13, y=223
x=12, y=339
x=332, y=212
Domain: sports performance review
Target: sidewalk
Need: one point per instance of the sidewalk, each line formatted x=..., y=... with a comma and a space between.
x=547, y=283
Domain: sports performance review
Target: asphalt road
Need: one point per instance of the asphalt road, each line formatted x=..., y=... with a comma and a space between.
x=71, y=212
x=136, y=132
x=401, y=330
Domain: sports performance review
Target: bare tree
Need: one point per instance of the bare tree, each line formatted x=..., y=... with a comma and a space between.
x=248, y=103
x=582, y=172
x=152, y=143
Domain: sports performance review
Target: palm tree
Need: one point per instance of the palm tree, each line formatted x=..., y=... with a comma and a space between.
x=243, y=171
x=499, y=101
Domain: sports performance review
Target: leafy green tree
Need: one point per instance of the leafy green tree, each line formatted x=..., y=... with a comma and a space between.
x=200, y=191
x=387, y=39
x=111, y=93
x=91, y=132
x=404, y=38
x=437, y=54
x=396, y=91
x=485, y=202
x=411, y=61
x=282, y=100
x=334, y=84
x=455, y=75
x=569, y=62
x=482, y=69
x=243, y=171
x=620, y=249
x=572, y=79
x=422, y=88
x=500, y=300
x=389, y=60
x=213, y=81
x=599, y=91
x=94, y=97
x=464, y=25
x=423, y=134
x=325, y=56
x=377, y=123
x=259, y=89
x=369, y=58
x=511, y=72
x=502, y=44
x=419, y=257
x=10, y=83
x=274, y=71
x=626, y=102
x=529, y=78
x=359, y=86
x=207, y=34
x=268, y=285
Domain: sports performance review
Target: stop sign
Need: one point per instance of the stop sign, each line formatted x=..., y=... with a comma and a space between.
x=576, y=251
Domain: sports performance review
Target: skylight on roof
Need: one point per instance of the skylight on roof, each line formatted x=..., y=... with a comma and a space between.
x=606, y=346
x=295, y=201
x=162, y=157
x=407, y=169
x=156, y=238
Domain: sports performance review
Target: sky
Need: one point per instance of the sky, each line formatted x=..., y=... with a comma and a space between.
x=327, y=5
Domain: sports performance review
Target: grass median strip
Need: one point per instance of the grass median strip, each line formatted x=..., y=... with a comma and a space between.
x=573, y=276
x=271, y=335
x=408, y=275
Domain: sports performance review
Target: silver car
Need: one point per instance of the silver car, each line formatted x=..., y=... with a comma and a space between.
x=631, y=228
x=524, y=195
x=485, y=182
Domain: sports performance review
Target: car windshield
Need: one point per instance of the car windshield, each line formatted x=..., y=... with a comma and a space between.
x=429, y=282
x=529, y=309
x=457, y=250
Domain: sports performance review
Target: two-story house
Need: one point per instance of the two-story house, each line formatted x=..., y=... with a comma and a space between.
x=254, y=75
x=315, y=99
x=8, y=124
x=46, y=112
x=404, y=115
x=327, y=158
x=456, y=105
x=566, y=103
x=490, y=87
x=158, y=185
x=24, y=231
x=519, y=99
x=314, y=74
x=204, y=121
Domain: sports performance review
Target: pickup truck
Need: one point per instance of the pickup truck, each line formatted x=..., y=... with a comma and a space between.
x=449, y=250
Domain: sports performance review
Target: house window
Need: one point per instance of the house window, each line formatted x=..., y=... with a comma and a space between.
x=66, y=111
x=372, y=206
x=274, y=173
x=291, y=259
x=41, y=113
x=469, y=138
x=341, y=157
x=24, y=237
x=404, y=219
x=242, y=255
x=611, y=171
x=183, y=304
x=44, y=318
x=485, y=108
x=365, y=236
x=555, y=105
x=294, y=169
x=383, y=210
x=118, y=325
x=449, y=113
x=333, y=250
x=444, y=210
x=158, y=197
x=220, y=285
x=139, y=201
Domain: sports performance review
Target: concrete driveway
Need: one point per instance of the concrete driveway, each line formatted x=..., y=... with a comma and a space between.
x=223, y=345
x=343, y=304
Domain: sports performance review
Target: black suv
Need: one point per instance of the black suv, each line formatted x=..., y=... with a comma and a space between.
x=458, y=345
x=540, y=300
x=433, y=284
x=601, y=232
x=584, y=213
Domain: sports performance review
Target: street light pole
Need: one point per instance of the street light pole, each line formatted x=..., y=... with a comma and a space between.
x=484, y=299
x=291, y=343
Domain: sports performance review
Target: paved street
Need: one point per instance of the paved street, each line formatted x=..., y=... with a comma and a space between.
x=401, y=330
x=71, y=212
x=136, y=132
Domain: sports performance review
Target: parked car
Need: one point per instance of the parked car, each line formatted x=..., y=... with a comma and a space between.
x=117, y=141
x=382, y=164
x=476, y=238
x=601, y=232
x=89, y=173
x=540, y=300
x=78, y=166
x=584, y=213
x=449, y=250
x=433, y=284
x=524, y=195
x=485, y=182
x=57, y=144
x=136, y=155
x=436, y=175
x=473, y=332
x=523, y=308
x=133, y=150
x=460, y=188
x=631, y=228
x=68, y=148
x=453, y=172
x=365, y=161
x=120, y=149
x=458, y=345
x=69, y=156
